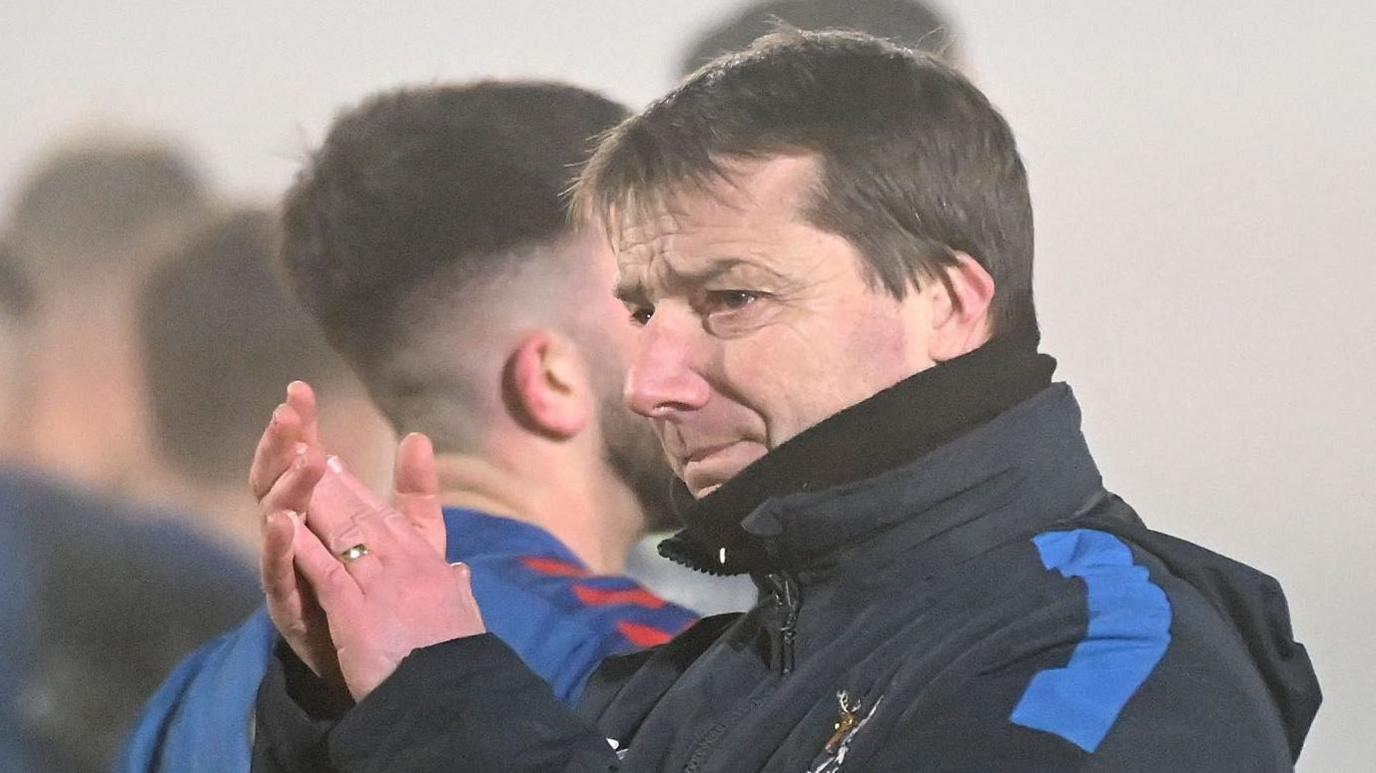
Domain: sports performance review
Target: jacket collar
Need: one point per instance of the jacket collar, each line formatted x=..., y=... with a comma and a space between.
x=1018, y=474
x=878, y=435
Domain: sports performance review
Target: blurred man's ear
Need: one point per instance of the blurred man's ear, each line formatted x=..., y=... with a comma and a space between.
x=546, y=386
x=960, y=309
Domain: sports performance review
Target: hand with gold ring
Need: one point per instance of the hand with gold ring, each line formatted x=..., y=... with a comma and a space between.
x=287, y=465
x=385, y=590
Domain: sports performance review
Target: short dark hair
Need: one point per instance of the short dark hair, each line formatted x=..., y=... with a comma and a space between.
x=16, y=292
x=419, y=181
x=84, y=199
x=909, y=23
x=914, y=165
x=221, y=338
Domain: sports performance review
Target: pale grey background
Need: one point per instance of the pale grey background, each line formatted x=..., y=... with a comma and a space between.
x=1203, y=174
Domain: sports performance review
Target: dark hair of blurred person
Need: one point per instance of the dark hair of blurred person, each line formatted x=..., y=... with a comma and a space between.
x=16, y=291
x=16, y=318
x=431, y=241
x=88, y=224
x=220, y=339
x=908, y=23
x=87, y=211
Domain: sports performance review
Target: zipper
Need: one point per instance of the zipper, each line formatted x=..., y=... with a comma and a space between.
x=785, y=591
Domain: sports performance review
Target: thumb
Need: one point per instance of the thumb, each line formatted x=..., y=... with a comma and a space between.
x=416, y=489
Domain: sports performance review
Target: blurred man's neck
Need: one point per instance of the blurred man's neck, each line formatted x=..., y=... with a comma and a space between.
x=88, y=417
x=592, y=514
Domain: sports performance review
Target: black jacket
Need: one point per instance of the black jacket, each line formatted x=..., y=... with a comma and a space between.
x=947, y=587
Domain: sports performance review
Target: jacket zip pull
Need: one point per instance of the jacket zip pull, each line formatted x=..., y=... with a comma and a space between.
x=786, y=596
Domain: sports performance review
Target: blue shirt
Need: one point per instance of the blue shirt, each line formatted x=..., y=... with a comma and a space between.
x=100, y=599
x=535, y=595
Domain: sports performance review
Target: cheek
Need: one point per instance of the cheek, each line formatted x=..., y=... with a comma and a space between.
x=793, y=377
x=875, y=341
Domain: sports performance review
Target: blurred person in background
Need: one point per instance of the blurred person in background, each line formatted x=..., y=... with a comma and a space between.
x=101, y=597
x=89, y=224
x=215, y=319
x=908, y=23
x=429, y=237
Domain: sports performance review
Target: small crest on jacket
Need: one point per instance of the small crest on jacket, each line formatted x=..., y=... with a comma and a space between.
x=851, y=716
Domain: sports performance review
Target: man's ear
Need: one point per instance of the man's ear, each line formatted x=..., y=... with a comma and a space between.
x=960, y=309
x=545, y=386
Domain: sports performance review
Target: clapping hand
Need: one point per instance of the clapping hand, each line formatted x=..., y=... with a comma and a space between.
x=354, y=585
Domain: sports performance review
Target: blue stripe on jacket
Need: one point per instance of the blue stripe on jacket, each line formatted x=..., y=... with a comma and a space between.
x=1128, y=632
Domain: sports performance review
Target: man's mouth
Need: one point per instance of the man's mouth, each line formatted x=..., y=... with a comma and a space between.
x=706, y=467
x=702, y=452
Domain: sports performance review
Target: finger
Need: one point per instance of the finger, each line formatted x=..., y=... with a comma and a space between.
x=301, y=397
x=345, y=514
x=278, y=573
x=292, y=423
x=274, y=451
x=416, y=489
x=286, y=599
x=293, y=489
x=334, y=587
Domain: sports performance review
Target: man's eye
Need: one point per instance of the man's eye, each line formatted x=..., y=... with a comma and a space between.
x=731, y=300
x=640, y=315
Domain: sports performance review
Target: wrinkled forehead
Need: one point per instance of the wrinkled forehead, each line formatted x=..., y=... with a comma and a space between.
x=743, y=205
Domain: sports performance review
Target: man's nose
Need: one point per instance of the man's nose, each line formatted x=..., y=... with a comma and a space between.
x=665, y=375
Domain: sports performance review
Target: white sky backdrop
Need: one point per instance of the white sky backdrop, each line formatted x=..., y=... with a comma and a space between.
x=1204, y=177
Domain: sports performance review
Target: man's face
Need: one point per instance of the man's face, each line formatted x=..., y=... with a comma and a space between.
x=753, y=324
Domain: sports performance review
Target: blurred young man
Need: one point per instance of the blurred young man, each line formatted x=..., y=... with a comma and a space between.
x=90, y=222
x=101, y=597
x=215, y=319
x=429, y=238
x=825, y=244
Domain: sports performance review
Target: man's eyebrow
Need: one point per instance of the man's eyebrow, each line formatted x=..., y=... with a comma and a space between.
x=636, y=291
x=631, y=292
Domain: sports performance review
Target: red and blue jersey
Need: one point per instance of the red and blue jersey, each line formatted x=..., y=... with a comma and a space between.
x=535, y=594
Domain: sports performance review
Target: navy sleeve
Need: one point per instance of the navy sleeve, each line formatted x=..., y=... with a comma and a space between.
x=1179, y=734
x=1122, y=667
x=468, y=704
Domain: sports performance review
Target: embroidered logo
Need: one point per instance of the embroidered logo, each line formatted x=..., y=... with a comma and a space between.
x=851, y=716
